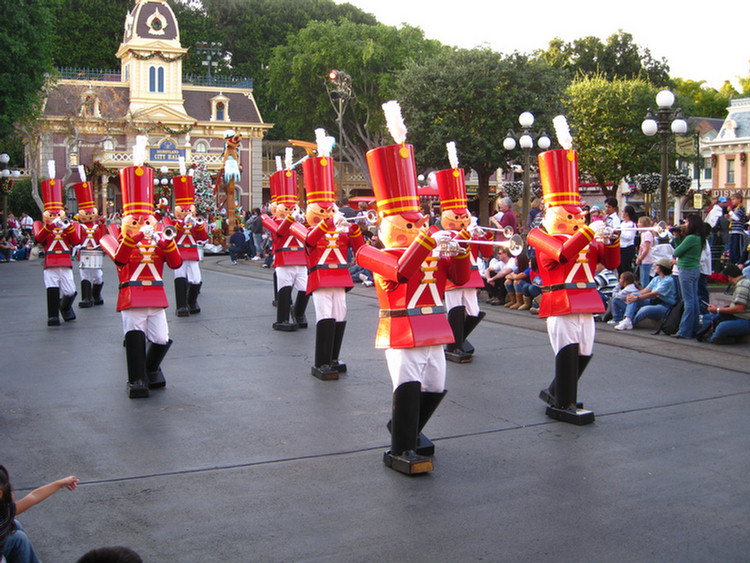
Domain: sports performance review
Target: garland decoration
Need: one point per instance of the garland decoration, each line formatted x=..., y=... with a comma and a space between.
x=6, y=185
x=97, y=169
x=159, y=54
x=167, y=129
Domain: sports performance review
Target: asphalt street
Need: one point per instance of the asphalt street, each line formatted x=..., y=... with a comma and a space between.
x=246, y=457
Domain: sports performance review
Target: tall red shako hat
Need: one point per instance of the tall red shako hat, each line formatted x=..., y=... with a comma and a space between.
x=52, y=190
x=558, y=171
x=137, y=182
x=393, y=171
x=85, y=196
x=184, y=191
x=284, y=187
x=318, y=173
x=451, y=185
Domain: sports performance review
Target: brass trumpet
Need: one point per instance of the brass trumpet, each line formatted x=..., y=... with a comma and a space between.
x=452, y=247
x=371, y=216
x=169, y=233
x=605, y=233
x=507, y=232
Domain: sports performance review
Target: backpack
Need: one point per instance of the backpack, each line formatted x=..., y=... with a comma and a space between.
x=671, y=323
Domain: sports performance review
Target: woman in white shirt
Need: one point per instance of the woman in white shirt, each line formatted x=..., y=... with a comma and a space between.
x=627, y=239
x=645, y=256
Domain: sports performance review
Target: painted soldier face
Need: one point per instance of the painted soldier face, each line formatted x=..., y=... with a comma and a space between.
x=182, y=211
x=315, y=213
x=51, y=214
x=89, y=215
x=282, y=210
x=397, y=232
x=131, y=224
x=453, y=221
x=559, y=221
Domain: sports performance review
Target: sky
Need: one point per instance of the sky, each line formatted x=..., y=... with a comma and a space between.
x=698, y=41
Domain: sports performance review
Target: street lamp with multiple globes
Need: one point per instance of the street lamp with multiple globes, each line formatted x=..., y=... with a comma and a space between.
x=665, y=122
x=526, y=141
x=6, y=173
x=209, y=52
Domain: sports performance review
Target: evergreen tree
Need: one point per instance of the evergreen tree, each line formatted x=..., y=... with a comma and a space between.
x=205, y=203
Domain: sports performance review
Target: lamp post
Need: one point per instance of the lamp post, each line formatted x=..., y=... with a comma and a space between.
x=209, y=52
x=665, y=122
x=341, y=92
x=162, y=180
x=5, y=174
x=526, y=141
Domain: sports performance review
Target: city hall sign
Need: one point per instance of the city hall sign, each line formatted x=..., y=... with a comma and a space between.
x=167, y=151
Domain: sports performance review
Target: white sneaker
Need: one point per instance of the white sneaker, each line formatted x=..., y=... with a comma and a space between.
x=367, y=283
x=255, y=258
x=624, y=324
x=363, y=278
x=612, y=322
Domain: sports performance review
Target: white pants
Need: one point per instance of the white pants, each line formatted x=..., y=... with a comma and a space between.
x=296, y=276
x=330, y=303
x=191, y=270
x=94, y=275
x=152, y=321
x=572, y=329
x=463, y=297
x=60, y=277
x=425, y=364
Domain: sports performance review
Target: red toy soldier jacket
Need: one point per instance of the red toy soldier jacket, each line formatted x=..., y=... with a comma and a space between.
x=139, y=267
x=567, y=266
x=188, y=237
x=287, y=249
x=327, y=251
x=57, y=243
x=90, y=234
x=410, y=283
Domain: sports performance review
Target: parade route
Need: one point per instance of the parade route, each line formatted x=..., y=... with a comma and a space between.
x=246, y=457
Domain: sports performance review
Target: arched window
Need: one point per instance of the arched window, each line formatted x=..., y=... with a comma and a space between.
x=156, y=79
x=109, y=145
x=201, y=147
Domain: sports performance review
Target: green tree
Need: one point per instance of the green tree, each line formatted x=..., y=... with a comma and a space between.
x=26, y=39
x=473, y=97
x=605, y=119
x=371, y=55
x=87, y=33
x=619, y=57
x=696, y=99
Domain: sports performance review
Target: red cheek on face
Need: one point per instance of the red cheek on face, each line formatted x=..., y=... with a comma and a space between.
x=402, y=240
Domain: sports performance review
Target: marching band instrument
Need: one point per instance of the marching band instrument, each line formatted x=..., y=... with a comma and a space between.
x=90, y=259
x=371, y=216
x=448, y=246
x=605, y=233
x=507, y=232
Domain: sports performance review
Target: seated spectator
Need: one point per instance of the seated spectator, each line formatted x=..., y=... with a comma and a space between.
x=606, y=283
x=237, y=244
x=111, y=555
x=720, y=323
x=361, y=274
x=532, y=290
x=617, y=304
x=514, y=282
x=500, y=266
x=6, y=250
x=653, y=301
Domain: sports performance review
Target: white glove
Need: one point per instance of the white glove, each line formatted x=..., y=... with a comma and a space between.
x=442, y=237
x=147, y=230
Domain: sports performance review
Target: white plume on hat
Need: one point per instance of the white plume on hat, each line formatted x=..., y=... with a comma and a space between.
x=82, y=172
x=325, y=143
x=139, y=150
x=51, y=169
x=181, y=161
x=289, y=157
x=279, y=165
x=452, y=154
x=394, y=121
x=563, y=132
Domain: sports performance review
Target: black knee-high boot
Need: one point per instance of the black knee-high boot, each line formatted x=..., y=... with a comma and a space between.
x=404, y=429
x=53, y=306
x=275, y=290
x=428, y=403
x=154, y=356
x=300, y=306
x=87, y=299
x=283, y=309
x=135, y=352
x=324, y=334
x=548, y=395
x=470, y=324
x=180, y=297
x=97, y=294
x=338, y=338
x=194, y=290
x=66, y=307
x=454, y=352
x=565, y=388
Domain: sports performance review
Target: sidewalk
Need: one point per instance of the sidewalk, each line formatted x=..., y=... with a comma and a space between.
x=246, y=457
